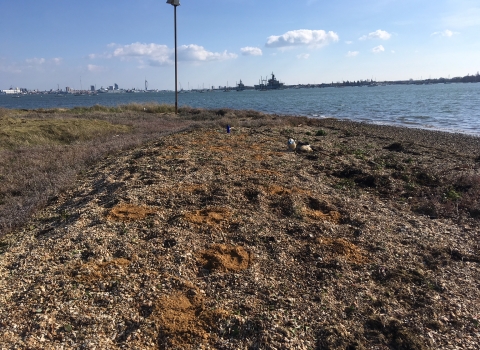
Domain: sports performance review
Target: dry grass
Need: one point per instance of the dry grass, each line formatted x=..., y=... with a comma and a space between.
x=25, y=132
x=42, y=151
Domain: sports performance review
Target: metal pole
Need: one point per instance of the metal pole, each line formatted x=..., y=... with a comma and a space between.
x=176, y=85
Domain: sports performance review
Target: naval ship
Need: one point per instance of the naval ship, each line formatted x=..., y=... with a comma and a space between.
x=270, y=84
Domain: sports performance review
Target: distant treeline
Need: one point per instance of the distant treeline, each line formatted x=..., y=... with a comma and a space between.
x=466, y=79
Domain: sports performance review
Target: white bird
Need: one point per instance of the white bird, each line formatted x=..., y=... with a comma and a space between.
x=291, y=144
x=298, y=146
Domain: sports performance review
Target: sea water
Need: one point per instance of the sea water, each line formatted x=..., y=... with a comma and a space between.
x=447, y=107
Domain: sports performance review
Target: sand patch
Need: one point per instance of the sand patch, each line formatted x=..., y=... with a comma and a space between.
x=129, y=212
x=333, y=216
x=225, y=258
x=335, y=247
x=184, y=322
x=91, y=271
x=210, y=216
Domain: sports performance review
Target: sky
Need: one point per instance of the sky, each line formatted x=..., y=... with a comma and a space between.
x=58, y=43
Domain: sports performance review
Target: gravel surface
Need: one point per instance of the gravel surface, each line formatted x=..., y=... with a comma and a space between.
x=209, y=240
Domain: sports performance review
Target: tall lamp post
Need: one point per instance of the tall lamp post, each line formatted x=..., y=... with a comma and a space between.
x=175, y=3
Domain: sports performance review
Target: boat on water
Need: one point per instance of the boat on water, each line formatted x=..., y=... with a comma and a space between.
x=240, y=86
x=269, y=84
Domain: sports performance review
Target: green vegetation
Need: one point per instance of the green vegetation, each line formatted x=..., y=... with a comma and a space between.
x=132, y=107
x=16, y=132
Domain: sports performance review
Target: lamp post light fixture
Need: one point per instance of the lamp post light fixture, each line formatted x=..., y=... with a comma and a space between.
x=175, y=3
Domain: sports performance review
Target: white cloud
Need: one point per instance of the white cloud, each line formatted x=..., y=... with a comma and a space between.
x=104, y=55
x=95, y=68
x=303, y=56
x=349, y=42
x=35, y=61
x=251, y=51
x=302, y=37
x=57, y=60
x=352, y=53
x=198, y=53
x=159, y=55
x=378, y=49
x=378, y=34
x=446, y=33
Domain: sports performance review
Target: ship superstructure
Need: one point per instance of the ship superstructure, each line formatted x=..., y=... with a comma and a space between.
x=240, y=86
x=269, y=84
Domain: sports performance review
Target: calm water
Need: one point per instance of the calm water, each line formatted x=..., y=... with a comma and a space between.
x=448, y=107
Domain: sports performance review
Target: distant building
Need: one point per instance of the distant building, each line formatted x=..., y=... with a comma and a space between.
x=12, y=91
x=116, y=87
x=92, y=88
x=68, y=89
x=110, y=88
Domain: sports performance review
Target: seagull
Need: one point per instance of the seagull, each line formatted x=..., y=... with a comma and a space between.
x=298, y=146
x=291, y=144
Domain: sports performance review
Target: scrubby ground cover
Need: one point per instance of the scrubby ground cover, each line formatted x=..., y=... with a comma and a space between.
x=42, y=151
x=199, y=239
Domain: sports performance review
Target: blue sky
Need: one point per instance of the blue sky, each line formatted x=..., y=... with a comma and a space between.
x=83, y=43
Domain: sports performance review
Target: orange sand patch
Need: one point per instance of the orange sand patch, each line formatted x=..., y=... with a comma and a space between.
x=225, y=258
x=129, y=212
x=91, y=271
x=335, y=247
x=211, y=216
x=333, y=216
x=184, y=322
